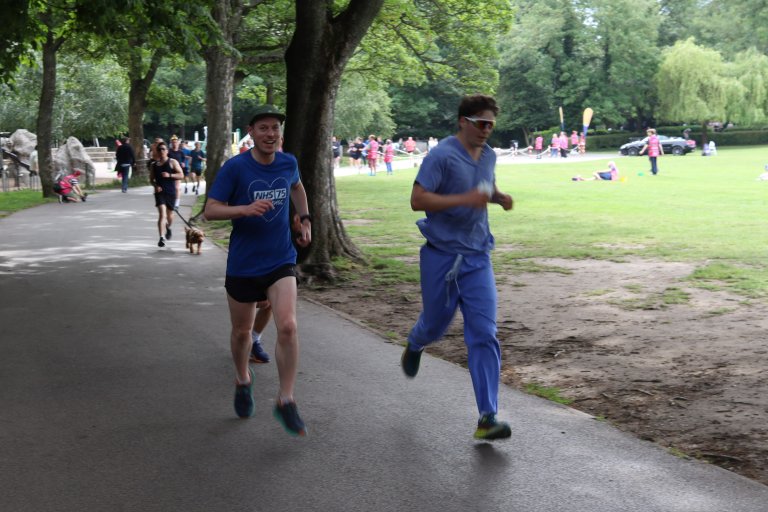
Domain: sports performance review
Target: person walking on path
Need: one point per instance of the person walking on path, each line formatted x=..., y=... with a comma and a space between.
x=373, y=155
x=454, y=185
x=654, y=150
x=177, y=154
x=126, y=159
x=410, y=148
x=253, y=190
x=165, y=173
x=197, y=158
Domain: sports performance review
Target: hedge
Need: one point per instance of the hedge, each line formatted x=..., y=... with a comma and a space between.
x=725, y=138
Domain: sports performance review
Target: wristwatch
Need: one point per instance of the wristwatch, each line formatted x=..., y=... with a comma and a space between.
x=305, y=217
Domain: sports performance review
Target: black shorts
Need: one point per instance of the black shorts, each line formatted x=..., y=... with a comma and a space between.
x=161, y=198
x=198, y=171
x=254, y=289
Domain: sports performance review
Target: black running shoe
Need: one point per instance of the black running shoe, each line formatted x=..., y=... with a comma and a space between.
x=410, y=361
x=288, y=416
x=489, y=428
x=161, y=242
x=244, y=398
x=168, y=233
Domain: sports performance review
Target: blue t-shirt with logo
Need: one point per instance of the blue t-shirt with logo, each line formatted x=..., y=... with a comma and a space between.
x=449, y=169
x=258, y=245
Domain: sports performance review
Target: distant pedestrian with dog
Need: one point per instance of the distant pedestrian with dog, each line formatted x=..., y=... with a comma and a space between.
x=253, y=190
x=164, y=174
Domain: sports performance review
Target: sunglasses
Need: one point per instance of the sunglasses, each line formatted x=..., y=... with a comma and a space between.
x=481, y=124
x=162, y=149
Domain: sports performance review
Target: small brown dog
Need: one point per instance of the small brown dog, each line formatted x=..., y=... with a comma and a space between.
x=194, y=236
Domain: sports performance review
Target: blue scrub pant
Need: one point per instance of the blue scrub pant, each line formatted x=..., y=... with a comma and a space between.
x=474, y=291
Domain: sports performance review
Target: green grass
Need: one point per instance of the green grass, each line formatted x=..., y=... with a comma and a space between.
x=698, y=209
x=16, y=200
x=552, y=394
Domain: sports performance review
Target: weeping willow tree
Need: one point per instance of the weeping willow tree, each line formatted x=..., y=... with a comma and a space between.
x=696, y=85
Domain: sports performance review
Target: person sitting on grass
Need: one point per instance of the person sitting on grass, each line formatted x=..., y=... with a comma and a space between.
x=609, y=174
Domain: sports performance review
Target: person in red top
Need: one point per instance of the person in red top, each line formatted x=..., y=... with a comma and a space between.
x=68, y=188
x=389, y=155
x=654, y=150
x=410, y=147
x=373, y=155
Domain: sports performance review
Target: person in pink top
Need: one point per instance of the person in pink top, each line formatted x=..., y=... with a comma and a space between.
x=538, y=145
x=654, y=150
x=574, y=140
x=554, y=145
x=389, y=155
x=410, y=148
x=563, y=145
x=373, y=155
x=609, y=174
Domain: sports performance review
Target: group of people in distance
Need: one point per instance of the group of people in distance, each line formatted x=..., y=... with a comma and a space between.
x=561, y=144
x=366, y=153
x=652, y=146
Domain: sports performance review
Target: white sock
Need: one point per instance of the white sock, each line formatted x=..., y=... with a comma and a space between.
x=256, y=337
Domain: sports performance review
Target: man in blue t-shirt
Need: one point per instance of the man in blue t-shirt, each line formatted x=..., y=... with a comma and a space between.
x=454, y=185
x=253, y=190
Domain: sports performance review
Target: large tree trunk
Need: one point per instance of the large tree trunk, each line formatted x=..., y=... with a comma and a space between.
x=45, y=111
x=137, y=105
x=221, y=61
x=319, y=51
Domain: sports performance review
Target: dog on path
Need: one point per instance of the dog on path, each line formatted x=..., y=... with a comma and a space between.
x=194, y=236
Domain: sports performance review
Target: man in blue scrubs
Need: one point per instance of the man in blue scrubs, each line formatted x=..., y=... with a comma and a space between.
x=454, y=185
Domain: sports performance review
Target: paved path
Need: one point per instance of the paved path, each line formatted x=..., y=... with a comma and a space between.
x=116, y=394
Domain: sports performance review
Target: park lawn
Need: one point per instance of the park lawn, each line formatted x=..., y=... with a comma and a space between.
x=708, y=210
x=15, y=200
